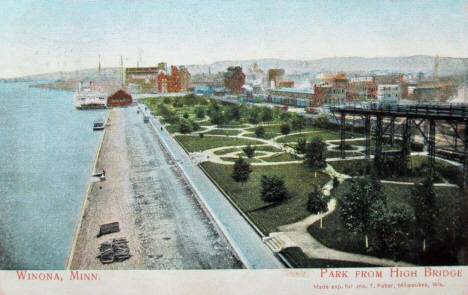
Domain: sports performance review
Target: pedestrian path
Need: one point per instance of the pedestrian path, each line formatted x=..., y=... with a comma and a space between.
x=298, y=234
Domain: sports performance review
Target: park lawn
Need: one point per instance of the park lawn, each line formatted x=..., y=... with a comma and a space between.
x=350, y=167
x=227, y=151
x=172, y=128
x=223, y=132
x=348, y=147
x=449, y=172
x=270, y=135
x=267, y=128
x=233, y=159
x=323, y=134
x=337, y=154
x=298, y=179
x=267, y=148
x=271, y=131
x=283, y=157
x=193, y=143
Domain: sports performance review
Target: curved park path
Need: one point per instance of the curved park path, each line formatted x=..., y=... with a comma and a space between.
x=296, y=234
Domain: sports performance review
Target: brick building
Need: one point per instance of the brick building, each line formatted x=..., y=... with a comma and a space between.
x=274, y=77
x=119, y=98
x=174, y=80
x=162, y=82
x=362, y=88
x=329, y=95
x=185, y=79
x=144, y=79
x=157, y=79
x=234, y=79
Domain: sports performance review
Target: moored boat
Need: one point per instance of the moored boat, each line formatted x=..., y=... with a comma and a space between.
x=87, y=98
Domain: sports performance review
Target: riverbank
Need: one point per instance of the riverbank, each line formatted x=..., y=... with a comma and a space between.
x=165, y=226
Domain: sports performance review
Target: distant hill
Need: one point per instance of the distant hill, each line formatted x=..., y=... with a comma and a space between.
x=350, y=65
x=88, y=74
x=357, y=65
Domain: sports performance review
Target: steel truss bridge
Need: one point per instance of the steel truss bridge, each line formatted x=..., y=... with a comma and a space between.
x=388, y=121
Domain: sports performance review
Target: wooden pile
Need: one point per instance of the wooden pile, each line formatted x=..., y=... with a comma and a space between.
x=114, y=251
x=108, y=228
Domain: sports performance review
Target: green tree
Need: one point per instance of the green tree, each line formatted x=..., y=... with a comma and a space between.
x=285, y=116
x=217, y=118
x=186, y=115
x=315, y=153
x=336, y=182
x=195, y=125
x=362, y=204
x=199, y=112
x=184, y=127
x=298, y=123
x=301, y=146
x=259, y=131
x=267, y=114
x=424, y=200
x=233, y=113
x=249, y=151
x=254, y=115
x=392, y=230
x=321, y=122
x=285, y=129
x=241, y=170
x=317, y=202
x=177, y=103
x=273, y=189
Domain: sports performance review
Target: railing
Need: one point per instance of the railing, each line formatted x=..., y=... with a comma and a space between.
x=437, y=110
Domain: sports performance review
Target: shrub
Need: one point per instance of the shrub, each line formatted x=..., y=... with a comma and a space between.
x=241, y=170
x=336, y=182
x=200, y=112
x=301, y=146
x=184, y=127
x=317, y=202
x=249, y=151
x=259, y=131
x=167, y=100
x=285, y=129
x=315, y=153
x=273, y=188
x=195, y=125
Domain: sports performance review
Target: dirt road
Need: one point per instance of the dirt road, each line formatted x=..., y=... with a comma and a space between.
x=157, y=212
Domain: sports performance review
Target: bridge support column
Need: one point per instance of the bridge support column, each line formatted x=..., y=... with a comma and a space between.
x=392, y=131
x=406, y=138
x=378, y=138
x=465, y=160
x=431, y=147
x=343, y=135
x=368, y=134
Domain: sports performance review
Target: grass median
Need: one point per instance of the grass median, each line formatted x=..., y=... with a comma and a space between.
x=193, y=143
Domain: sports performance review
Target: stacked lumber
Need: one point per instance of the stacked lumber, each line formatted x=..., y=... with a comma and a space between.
x=108, y=228
x=116, y=250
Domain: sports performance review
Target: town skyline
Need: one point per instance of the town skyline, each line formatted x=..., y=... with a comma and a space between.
x=53, y=35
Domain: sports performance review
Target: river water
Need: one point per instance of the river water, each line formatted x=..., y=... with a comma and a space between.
x=47, y=148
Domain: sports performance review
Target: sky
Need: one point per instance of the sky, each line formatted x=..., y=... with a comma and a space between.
x=42, y=36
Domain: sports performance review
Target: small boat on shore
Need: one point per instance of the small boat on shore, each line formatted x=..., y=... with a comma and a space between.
x=98, y=124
